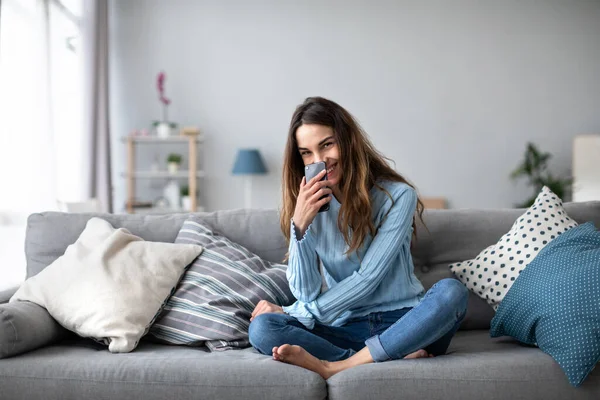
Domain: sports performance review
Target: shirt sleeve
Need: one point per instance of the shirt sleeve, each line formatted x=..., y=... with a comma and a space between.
x=376, y=262
x=303, y=270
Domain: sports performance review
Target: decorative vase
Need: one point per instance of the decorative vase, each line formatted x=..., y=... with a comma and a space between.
x=155, y=167
x=172, y=194
x=186, y=203
x=173, y=167
x=163, y=130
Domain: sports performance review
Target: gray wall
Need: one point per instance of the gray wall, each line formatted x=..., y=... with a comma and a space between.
x=450, y=90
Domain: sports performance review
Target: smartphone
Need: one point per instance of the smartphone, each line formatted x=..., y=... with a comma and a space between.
x=312, y=170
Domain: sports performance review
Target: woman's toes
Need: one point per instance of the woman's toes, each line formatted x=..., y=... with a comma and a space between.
x=275, y=353
x=417, y=354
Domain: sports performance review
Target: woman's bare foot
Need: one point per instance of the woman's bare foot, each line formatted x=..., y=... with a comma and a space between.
x=296, y=355
x=418, y=354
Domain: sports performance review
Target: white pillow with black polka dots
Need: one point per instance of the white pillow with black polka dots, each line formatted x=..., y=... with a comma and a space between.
x=491, y=274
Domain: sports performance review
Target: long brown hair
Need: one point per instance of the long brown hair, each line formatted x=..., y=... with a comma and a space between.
x=361, y=163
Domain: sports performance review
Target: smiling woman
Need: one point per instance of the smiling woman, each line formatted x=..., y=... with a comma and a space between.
x=361, y=243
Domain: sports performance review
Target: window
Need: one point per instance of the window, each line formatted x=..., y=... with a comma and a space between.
x=40, y=117
x=67, y=97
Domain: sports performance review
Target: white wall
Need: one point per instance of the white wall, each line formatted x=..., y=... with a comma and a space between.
x=451, y=90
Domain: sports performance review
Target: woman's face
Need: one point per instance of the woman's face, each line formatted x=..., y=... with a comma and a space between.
x=317, y=143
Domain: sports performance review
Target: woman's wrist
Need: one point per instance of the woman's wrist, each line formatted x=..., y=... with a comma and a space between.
x=299, y=227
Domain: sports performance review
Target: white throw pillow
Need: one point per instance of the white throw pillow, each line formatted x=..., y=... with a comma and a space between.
x=110, y=284
x=491, y=274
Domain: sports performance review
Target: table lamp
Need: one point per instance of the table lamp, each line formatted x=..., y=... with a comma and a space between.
x=249, y=162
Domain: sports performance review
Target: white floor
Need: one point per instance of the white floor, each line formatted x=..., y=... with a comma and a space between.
x=12, y=255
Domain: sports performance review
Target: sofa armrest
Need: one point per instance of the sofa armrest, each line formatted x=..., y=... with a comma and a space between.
x=6, y=294
x=25, y=326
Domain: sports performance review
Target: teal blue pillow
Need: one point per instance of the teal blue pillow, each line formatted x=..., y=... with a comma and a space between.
x=555, y=303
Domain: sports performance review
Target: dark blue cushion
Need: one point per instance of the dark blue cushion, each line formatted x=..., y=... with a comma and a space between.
x=555, y=303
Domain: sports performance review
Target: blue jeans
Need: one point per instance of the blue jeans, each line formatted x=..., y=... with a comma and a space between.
x=389, y=335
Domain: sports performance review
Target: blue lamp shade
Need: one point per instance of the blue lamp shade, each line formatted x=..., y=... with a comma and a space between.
x=249, y=161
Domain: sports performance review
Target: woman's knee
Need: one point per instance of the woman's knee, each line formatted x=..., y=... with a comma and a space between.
x=262, y=330
x=453, y=292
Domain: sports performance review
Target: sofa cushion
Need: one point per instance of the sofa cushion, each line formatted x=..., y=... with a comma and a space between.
x=476, y=367
x=213, y=302
x=555, y=303
x=109, y=285
x=25, y=326
x=492, y=273
x=83, y=369
x=257, y=230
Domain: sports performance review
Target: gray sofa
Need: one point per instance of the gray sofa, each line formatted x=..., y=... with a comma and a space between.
x=477, y=367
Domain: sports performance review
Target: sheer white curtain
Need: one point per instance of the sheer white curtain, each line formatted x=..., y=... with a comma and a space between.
x=67, y=97
x=40, y=120
x=26, y=141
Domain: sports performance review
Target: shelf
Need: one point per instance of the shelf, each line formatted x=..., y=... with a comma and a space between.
x=191, y=175
x=162, y=174
x=156, y=139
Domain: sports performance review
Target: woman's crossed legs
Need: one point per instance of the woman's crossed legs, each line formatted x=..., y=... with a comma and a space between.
x=425, y=330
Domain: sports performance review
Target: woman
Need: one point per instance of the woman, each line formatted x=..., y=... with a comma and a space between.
x=374, y=308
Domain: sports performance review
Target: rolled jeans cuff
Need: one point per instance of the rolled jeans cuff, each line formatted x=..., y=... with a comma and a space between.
x=376, y=349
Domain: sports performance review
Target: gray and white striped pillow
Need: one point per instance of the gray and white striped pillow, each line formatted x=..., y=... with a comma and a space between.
x=213, y=302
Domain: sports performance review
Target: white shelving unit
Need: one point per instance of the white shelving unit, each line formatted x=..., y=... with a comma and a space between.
x=192, y=174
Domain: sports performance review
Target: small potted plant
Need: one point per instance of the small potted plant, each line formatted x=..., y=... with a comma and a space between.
x=186, y=201
x=163, y=130
x=173, y=163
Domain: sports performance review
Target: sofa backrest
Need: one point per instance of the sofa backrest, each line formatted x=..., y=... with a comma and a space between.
x=461, y=234
x=50, y=233
x=449, y=236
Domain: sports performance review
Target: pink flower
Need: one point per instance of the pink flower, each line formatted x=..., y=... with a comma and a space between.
x=160, y=84
x=161, y=81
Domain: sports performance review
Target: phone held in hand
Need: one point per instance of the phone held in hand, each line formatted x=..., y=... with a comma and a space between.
x=312, y=170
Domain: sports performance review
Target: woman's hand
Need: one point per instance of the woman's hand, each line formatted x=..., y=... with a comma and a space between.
x=263, y=307
x=309, y=201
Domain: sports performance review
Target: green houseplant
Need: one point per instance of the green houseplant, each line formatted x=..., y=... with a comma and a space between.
x=534, y=168
x=186, y=201
x=173, y=162
x=185, y=191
